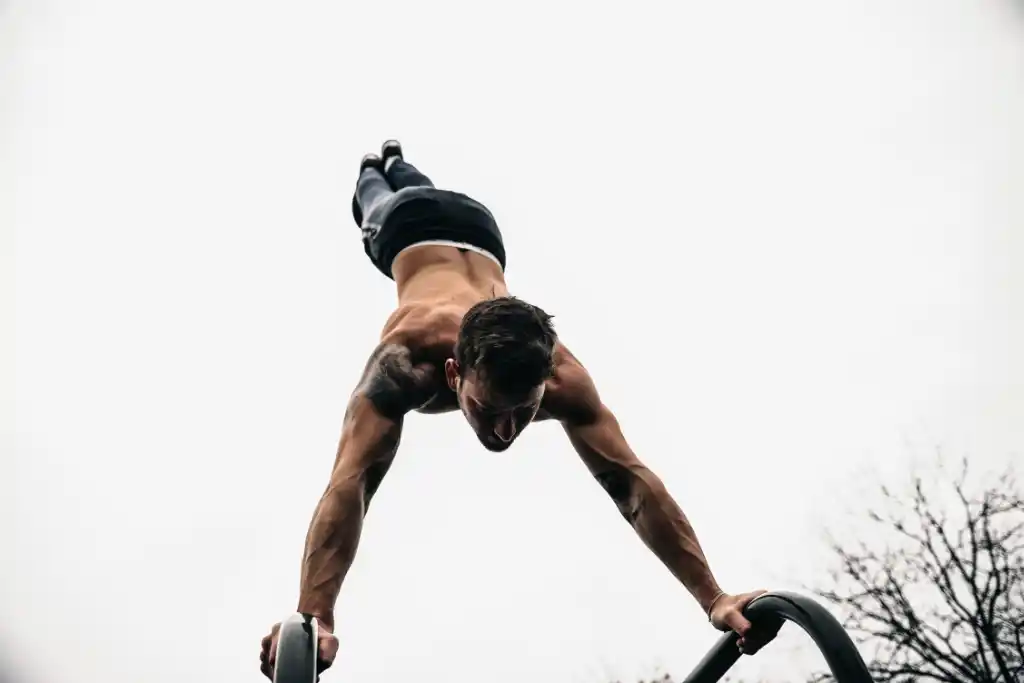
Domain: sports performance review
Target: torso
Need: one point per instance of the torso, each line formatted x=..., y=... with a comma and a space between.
x=436, y=286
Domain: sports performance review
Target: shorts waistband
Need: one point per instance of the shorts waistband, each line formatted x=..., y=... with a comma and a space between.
x=457, y=245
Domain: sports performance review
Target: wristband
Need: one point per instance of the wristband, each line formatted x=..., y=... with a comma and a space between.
x=713, y=601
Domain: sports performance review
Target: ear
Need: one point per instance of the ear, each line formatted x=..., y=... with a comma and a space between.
x=451, y=373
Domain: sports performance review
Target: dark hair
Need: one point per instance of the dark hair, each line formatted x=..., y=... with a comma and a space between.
x=509, y=342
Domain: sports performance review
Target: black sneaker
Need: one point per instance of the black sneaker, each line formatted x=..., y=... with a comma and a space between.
x=369, y=161
x=389, y=150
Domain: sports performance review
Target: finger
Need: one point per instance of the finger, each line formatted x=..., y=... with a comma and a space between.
x=743, y=599
x=735, y=620
x=751, y=643
x=329, y=648
x=747, y=645
x=323, y=664
x=327, y=652
x=264, y=653
x=765, y=633
x=269, y=644
x=758, y=636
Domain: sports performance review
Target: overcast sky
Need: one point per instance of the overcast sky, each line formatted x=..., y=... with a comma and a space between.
x=785, y=237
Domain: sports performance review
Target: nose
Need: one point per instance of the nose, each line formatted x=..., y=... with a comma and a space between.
x=505, y=429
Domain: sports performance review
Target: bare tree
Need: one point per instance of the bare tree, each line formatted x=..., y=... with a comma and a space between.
x=669, y=678
x=938, y=594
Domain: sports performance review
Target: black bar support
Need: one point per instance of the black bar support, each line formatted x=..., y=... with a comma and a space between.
x=769, y=612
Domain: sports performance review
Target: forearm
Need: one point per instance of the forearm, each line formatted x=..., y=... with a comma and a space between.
x=391, y=386
x=366, y=450
x=644, y=502
x=640, y=495
x=330, y=547
x=661, y=524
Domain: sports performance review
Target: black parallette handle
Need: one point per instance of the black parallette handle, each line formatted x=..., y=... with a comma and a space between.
x=770, y=611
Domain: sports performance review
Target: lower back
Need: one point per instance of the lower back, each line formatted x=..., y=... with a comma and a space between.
x=445, y=275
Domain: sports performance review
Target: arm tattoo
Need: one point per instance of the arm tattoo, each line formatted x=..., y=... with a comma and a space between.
x=619, y=486
x=393, y=383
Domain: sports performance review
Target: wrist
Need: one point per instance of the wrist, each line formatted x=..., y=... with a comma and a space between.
x=714, y=601
x=324, y=625
x=708, y=596
x=323, y=616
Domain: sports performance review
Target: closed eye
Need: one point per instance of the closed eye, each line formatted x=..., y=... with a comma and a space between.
x=524, y=413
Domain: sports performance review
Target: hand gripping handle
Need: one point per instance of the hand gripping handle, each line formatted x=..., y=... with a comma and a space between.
x=297, y=656
x=768, y=612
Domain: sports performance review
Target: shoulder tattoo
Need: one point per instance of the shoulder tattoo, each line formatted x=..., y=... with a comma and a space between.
x=393, y=383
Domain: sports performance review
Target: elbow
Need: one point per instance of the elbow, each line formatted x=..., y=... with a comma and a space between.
x=633, y=490
x=649, y=492
x=353, y=484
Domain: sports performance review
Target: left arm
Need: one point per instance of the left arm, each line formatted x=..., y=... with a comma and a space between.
x=639, y=493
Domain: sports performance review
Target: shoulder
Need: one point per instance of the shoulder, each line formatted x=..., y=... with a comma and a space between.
x=393, y=382
x=423, y=328
x=405, y=371
x=570, y=396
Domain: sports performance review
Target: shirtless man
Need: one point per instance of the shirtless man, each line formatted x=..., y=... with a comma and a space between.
x=459, y=341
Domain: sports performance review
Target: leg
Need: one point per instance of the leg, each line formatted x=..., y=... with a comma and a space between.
x=401, y=174
x=371, y=188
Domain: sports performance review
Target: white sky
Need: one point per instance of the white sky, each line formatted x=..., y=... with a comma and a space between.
x=786, y=238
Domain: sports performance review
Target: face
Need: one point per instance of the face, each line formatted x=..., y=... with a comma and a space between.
x=497, y=420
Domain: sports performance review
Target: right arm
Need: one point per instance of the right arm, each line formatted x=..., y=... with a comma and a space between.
x=391, y=386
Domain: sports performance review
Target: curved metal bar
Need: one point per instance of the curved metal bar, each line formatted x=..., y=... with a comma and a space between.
x=769, y=612
x=296, y=660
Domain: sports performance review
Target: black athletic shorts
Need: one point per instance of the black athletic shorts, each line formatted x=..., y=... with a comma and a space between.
x=417, y=215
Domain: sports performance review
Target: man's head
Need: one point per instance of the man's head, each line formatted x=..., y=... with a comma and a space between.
x=502, y=358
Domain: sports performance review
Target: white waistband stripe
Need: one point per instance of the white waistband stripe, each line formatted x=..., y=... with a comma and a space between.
x=451, y=243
